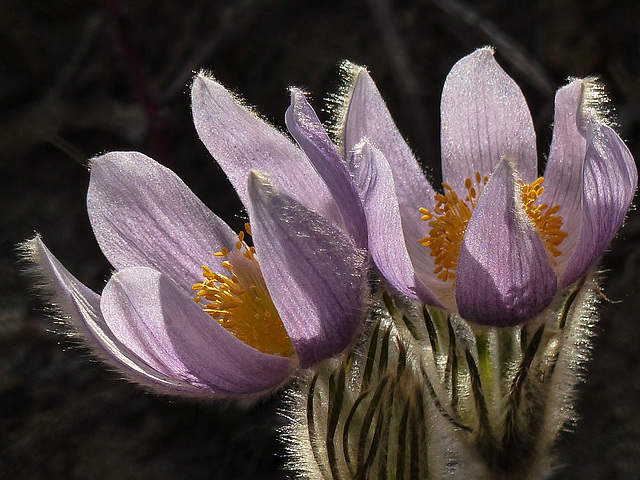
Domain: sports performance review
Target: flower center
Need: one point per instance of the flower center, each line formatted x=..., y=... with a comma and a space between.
x=451, y=215
x=240, y=301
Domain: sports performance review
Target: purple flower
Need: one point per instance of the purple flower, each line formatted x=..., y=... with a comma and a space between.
x=498, y=244
x=295, y=298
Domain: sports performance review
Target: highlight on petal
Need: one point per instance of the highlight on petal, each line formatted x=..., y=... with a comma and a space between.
x=239, y=141
x=609, y=185
x=484, y=117
x=162, y=325
x=366, y=115
x=503, y=277
x=314, y=272
x=387, y=243
x=306, y=129
x=563, y=174
x=81, y=307
x=142, y=214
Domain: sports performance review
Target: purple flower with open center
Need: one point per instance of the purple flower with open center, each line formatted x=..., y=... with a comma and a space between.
x=296, y=297
x=498, y=243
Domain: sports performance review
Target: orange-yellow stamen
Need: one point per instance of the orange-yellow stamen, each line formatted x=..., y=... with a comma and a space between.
x=240, y=301
x=451, y=215
x=546, y=220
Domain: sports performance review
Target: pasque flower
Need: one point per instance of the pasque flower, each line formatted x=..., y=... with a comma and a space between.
x=498, y=243
x=294, y=298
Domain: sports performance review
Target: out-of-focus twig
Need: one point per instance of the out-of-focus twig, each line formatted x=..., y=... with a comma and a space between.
x=233, y=19
x=182, y=46
x=44, y=118
x=403, y=73
x=140, y=80
x=511, y=50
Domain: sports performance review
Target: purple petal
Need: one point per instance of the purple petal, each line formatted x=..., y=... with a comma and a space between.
x=503, y=277
x=484, y=118
x=82, y=305
x=240, y=142
x=609, y=185
x=143, y=215
x=306, y=129
x=368, y=116
x=564, y=171
x=315, y=274
x=387, y=243
x=158, y=321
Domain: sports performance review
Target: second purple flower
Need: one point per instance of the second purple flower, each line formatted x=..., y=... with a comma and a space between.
x=498, y=243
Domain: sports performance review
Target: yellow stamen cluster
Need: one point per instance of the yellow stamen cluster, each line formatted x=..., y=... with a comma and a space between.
x=546, y=220
x=448, y=224
x=241, y=303
x=451, y=215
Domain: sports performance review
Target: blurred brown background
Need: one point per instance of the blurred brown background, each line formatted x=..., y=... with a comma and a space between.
x=78, y=78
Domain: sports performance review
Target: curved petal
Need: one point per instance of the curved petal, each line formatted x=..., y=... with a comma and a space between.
x=306, y=129
x=315, y=274
x=484, y=119
x=165, y=328
x=240, y=142
x=563, y=174
x=82, y=306
x=142, y=214
x=386, y=238
x=609, y=185
x=503, y=277
x=367, y=116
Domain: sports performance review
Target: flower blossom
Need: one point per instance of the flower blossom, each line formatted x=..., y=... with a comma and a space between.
x=294, y=298
x=498, y=243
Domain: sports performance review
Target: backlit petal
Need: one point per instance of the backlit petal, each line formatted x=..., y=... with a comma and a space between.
x=82, y=306
x=367, y=116
x=306, y=129
x=240, y=142
x=143, y=215
x=387, y=241
x=609, y=185
x=484, y=118
x=158, y=321
x=504, y=277
x=313, y=270
x=563, y=175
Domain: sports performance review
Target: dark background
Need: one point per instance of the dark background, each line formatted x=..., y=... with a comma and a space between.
x=78, y=78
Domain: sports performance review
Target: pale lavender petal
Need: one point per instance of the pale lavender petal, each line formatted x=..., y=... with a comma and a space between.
x=240, y=142
x=503, y=277
x=484, y=118
x=143, y=215
x=158, y=321
x=609, y=185
x=82, y=307
x=387, y=245
x=314, y=272
x=306, y=129
x=367, y=116
x=563, y=174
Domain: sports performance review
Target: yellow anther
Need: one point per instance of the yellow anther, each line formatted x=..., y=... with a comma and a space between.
x=241, y=302
x=546, y=220
x=451, y=216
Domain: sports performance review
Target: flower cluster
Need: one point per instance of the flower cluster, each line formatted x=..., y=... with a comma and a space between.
x=294, y=298
x=468, y=346
x=501, y=241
